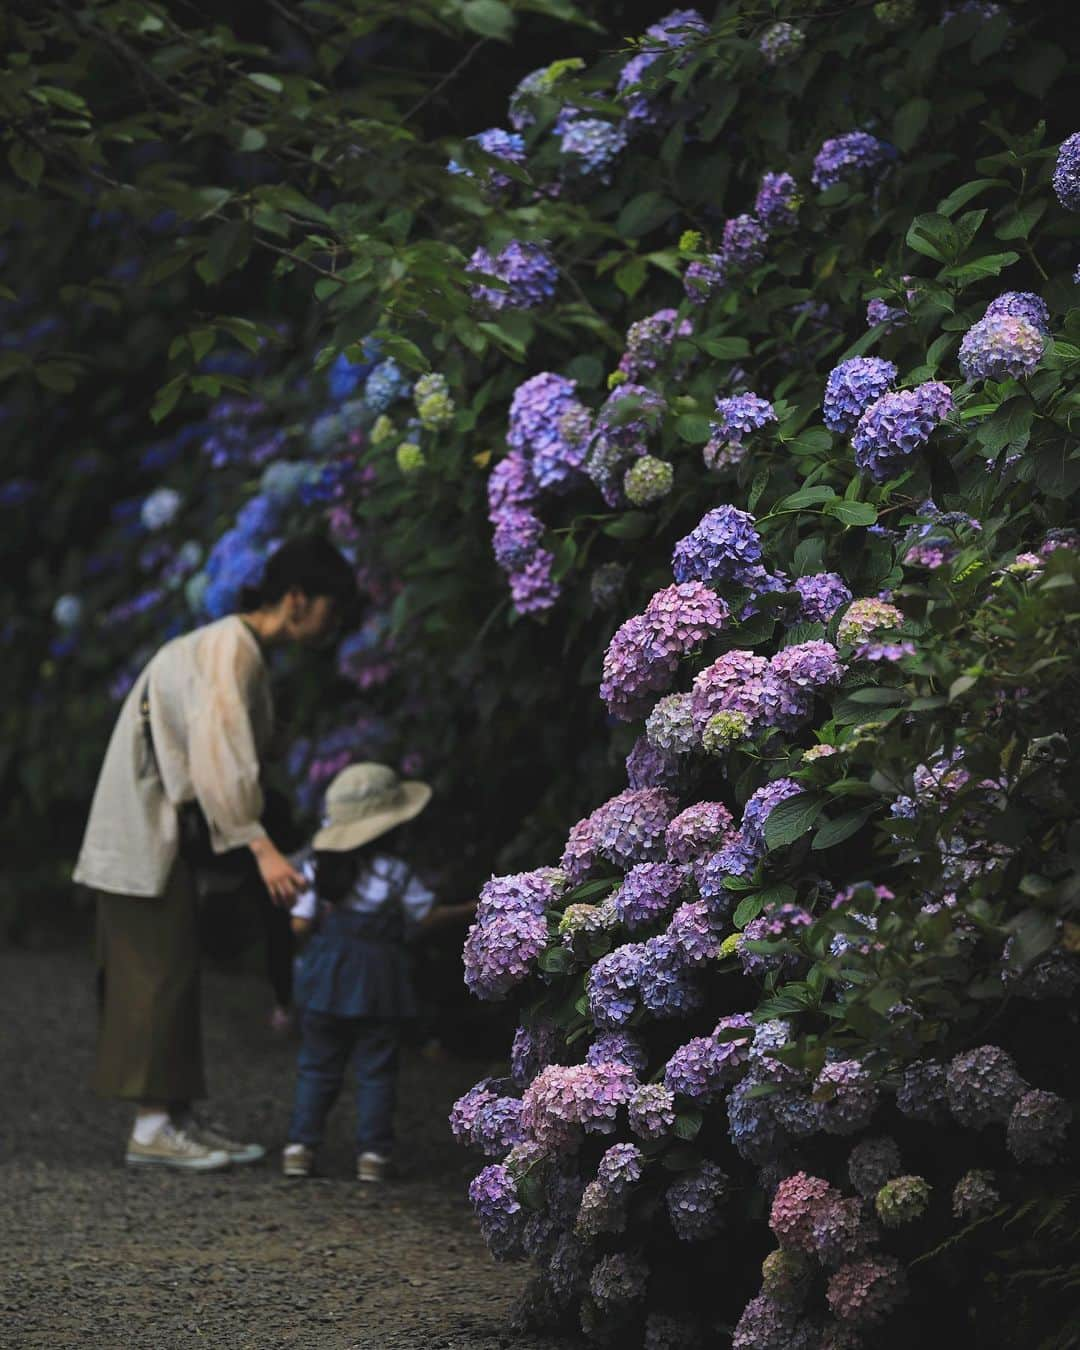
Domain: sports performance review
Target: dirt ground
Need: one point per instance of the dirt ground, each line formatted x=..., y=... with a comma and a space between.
x=94, y=1255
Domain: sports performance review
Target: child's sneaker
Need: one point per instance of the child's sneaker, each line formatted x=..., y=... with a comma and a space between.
x=371, y=1167
x=297, y=1160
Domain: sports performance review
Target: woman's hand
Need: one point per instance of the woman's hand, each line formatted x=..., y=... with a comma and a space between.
x=280, y=877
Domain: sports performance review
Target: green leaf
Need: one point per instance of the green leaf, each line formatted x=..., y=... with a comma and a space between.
x=630, y=277
x=725, y=348
x=555, y=960
x=876, y=695
x=747, y=910
x=965, y=193
x=910, y=122
x=812, y=441
x=688, y=1125
x=990, y=265
x=934, y=236
x=270, y=83
x=490, y=18
x=1019, y=224
x=843, y=827
x=27, y=161
x=644, y=213
x=810, y=496
x=792, y=818
x=852, y=513
x=630, y=525
x=694, y=428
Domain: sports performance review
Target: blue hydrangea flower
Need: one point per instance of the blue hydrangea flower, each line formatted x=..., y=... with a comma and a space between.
x=1067, y=173
x=528, y=270
x=781, y=42
x=744, y=242
x=740, y=415
x=704, y=277
x=821, y=595
x=1022, y=305
x=612, y=985
x=160, y=508
x=723, y=546
x=843, y=157
x=694, y=1202
x=851, y=388
x=1001, y=345
x=898, y=424
x=879, y=311
x=507, y=145
x=533, y=588
x=777, y=202
x=592, y=144
x=386, y=383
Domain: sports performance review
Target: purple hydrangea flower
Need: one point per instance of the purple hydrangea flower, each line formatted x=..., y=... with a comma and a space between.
x=704, y=277
x=703, y=1067
x=723, y=546
x=650, y=766
x=744, y=241
x=532, y=1050
x=682, y=616
x=701, y=828
x=843, y=157
x=879, y=311
x=617, y=1047
x=534, y=428
x=493, y=1195
x=606, y=584
x=694, y=930
x=511, y=485
x=852, y=1097
x=652, y=1111
x=649, y=340
x=1067, y=173
x=1037, y=1127
x=627, y=426
x=666, y=984
x=670, y=726
x=982, y=1086
x=464, y=1112
x=975, y=1194
x=739, y=416
x=694, y=1202
x=777, y=202
x=821, y=595
x=898, y=424
x=777, y=924
x=648, y=891
x=866, y=1292
x=612, y=985
x=618, y=1279
x=498, y=1126
x=852, y=387
x=781, y=42
x=766, y=1323
x=505, y=145
x=630, y=827
x=797, y=1200
x=591, y=143
x=1000, y=346
x=1021, y=305
x=563, y=1097
x=840, y=1231
x=499, y=953
x=579, y=854
x=733, y=683
x=760, y=806
x=754, y=1130
x=527, y=269
x=921, y=1094
x=807, y=667
x=532, y=587
x=516, y=538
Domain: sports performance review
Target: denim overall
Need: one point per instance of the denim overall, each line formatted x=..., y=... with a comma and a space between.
x=354, y=988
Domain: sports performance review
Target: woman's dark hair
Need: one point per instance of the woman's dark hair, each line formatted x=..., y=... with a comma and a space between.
x=310, y=564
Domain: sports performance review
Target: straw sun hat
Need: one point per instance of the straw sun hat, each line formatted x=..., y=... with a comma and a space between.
x=364, y=801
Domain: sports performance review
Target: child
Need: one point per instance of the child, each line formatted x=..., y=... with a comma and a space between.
x=353, y=984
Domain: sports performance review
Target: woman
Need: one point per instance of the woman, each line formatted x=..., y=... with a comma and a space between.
x=193, y=730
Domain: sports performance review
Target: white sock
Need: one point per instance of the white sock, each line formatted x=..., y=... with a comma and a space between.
x=147, y=1124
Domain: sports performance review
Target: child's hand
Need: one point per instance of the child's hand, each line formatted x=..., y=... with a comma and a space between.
x=301, y=927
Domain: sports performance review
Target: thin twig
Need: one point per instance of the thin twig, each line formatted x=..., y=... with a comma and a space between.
x=451, y=75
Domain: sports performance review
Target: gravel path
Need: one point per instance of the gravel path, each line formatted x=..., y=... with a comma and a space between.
x=94, y=1255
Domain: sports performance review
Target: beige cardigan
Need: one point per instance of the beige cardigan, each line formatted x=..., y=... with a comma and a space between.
x=211, y=715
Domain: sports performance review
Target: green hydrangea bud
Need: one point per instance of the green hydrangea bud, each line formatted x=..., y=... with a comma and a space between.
x=724, y=729
x=894, y=13
x=730, y=945
x=901, y=1200
x=616, y=378
x=431, y=395
x=648, y=480
x=786, y=1277
x=382, y=429
x=690, y=241
x=410, y=458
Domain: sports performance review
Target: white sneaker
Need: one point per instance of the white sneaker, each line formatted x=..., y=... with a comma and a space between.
x=214, y=1138
x=371, y=1167
x=297, y=1160
x=174, y=1147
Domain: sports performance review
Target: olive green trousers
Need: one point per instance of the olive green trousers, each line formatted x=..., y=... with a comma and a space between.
x=150, y=1033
